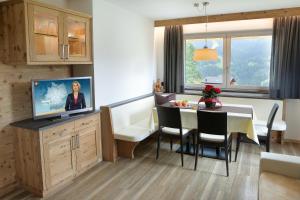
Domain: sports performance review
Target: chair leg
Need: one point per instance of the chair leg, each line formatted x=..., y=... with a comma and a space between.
x=171, y=144
x=158, y=145
x=181, y=150
x=197, y=152
x=217, y=151
x=268, y=144
x=230, y=150
x=194, y=150
x=226, y=159
x=238, y=140
x=202, y=147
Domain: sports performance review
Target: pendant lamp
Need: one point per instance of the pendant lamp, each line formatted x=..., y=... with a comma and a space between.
x=205, y=54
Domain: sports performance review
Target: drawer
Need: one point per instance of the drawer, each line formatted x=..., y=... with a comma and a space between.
x=58, y=131
x=86, y=122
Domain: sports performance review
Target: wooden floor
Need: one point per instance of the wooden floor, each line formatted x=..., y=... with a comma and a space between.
x=146, y=178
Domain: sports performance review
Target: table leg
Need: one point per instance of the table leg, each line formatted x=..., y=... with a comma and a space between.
x=238, y=141
x=217, y=151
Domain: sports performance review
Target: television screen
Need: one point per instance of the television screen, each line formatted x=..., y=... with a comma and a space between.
x=61, y=96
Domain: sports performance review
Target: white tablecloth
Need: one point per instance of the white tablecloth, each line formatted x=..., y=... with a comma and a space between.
x=236, y=122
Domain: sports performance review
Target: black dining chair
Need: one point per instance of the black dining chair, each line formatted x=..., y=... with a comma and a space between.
x=263, y=131
x=163, y=98
x=169, y=122
x=212, y=131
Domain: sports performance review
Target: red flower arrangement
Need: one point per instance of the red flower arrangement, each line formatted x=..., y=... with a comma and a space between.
x=209, y=95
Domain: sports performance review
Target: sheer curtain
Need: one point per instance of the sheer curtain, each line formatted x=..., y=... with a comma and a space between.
x=285, y=59
x=173, y=59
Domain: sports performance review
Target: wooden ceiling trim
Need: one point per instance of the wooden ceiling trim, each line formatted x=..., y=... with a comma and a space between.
x=231, y=17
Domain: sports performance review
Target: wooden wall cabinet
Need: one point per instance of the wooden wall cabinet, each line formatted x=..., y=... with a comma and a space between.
x=37, y=33
x=53, y=157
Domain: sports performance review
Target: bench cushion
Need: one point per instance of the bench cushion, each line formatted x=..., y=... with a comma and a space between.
x=275, y=186
x=261, y=130
x=133, y=121
x=137, y=131
x=213, y=138
x=132, y=133
x=147, y=124
x=277, y=125
x=174, y=131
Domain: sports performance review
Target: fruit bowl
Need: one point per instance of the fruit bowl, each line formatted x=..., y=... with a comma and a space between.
x=181, y=104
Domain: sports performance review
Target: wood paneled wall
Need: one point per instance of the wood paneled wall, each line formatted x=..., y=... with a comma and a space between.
x=15, y=104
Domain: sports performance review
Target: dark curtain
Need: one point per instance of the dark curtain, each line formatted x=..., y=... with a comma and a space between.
x=173, y=59
x=285, y=58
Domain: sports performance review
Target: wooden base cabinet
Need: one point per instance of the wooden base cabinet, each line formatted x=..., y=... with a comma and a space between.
x=51, y=158
x=87, y=151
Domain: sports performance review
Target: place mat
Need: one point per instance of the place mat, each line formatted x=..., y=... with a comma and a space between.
x=223, y=108
x=231, y=109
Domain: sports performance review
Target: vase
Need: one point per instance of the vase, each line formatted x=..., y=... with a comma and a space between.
x=210, y=104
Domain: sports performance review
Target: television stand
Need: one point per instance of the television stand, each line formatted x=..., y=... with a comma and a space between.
x=61, y=118
x=66, y=117
x=44, y=145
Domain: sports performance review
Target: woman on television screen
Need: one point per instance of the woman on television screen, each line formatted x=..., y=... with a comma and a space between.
x=75, y=100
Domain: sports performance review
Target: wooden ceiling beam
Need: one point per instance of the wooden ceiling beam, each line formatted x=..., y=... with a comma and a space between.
x=231, y=17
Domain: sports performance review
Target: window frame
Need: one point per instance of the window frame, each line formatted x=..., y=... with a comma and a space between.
x=204, y=36
x=227, y=36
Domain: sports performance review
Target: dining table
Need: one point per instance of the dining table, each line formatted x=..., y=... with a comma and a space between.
x=239, y=119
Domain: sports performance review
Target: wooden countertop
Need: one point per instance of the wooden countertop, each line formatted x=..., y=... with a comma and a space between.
x=42, y=124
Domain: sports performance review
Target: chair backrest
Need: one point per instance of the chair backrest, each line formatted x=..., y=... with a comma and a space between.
x=162, y=99
x=212, y=122
x=272, y=116
x=169, y=117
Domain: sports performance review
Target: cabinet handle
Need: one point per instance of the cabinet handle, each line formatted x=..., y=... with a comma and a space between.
x=72, y=148
x=62, y=53
x=68, y=51
x=78, y=144
x=72, y=142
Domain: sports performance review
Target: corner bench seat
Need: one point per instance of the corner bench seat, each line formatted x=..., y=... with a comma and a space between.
x=277, y=125
x=134, y=133
x=275, y=186
x=132, y=123
x=279, y=177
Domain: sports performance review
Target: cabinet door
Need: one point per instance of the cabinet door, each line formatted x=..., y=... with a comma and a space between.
x=45, y=32
x=77, y=38
x=60, y=160
x=88, y=144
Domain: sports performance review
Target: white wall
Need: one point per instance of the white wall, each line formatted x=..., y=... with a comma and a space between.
x=85, y=6
x=293, y=119
x=123, y=53
x=59, y=3
x=159, y=51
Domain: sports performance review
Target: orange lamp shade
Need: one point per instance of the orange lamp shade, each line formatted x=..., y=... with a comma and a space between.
x=205, y=54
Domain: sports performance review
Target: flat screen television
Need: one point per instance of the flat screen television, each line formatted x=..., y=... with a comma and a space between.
x=61, y=97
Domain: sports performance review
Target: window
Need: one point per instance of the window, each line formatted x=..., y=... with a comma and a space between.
x=207, y=71
x=243, y=61
x=250, y=60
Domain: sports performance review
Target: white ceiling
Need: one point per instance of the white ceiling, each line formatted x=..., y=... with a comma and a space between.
x=170, y=9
